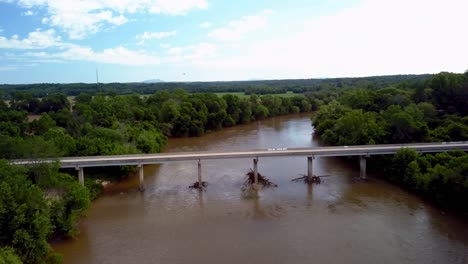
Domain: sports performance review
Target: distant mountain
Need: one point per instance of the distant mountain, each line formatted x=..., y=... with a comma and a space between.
x=153, y=81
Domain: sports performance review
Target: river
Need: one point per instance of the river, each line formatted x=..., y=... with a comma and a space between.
x=342, y=220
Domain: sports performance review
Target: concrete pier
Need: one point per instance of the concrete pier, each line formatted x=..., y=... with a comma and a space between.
x=362, y=166
x=141, y=176
x=255, y=164
x=199, y=174
x=80, y=175
x=257, y=187
x=310, y=166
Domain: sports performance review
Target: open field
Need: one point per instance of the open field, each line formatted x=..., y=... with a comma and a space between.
x=242, y=94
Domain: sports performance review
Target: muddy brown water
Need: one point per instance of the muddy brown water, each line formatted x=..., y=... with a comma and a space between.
x=342, y=220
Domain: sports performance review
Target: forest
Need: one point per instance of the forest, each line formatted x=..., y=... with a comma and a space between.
x=42, y=202
x=431, y=111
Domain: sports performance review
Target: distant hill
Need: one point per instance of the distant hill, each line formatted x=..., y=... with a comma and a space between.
x=153, y=81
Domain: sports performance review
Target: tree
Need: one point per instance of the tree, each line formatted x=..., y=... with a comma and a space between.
x=398, y=170
x=66, y=210
x=43, y=124
x=54, y=102
x=3, y=105
x=24, y=215
x=449, y=92
x=327, y=116
x=8, y=256
x=245, y=115
x=232, y=109
x=359, y=99
x=272, y=103
x=65, y=144
x=260, y=111
x=83, y=98
x=170, y=111
x=216, y=107
x=404, y=125
x=357, y=128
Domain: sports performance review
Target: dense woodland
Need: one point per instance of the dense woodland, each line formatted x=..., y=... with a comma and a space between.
x=40, y=203
x=431, y=111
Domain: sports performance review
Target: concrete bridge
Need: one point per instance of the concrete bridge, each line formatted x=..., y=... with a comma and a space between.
x=140, y=160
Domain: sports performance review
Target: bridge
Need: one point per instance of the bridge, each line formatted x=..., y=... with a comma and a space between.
x=139, y=160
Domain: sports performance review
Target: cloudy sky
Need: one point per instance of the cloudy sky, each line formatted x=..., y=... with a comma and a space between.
x=63, y=41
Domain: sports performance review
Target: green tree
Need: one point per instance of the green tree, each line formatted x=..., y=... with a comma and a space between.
x=327, y=116
x=43, y=124
x=405, y=125
x=358, y=99
x=449, y=92
x=8, y=256
x=245, y=115
x=357, y=128
x=232, y=109
x=398, y=170
x=24, y=215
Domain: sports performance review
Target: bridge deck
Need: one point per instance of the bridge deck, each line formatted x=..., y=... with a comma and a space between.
x=141, y=159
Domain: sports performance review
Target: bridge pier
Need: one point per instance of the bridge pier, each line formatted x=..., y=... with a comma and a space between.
x=80, y=175
x=256, y=186
x=141, y=176
x=199, y=174
x=362, y=166
x=310, y=167
x=255, y=165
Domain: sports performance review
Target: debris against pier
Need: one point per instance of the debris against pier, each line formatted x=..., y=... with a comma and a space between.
x=261, y=179
x=309, y=180
x=199, y=185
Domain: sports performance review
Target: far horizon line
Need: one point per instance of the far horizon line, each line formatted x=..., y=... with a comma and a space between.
x=148, y=81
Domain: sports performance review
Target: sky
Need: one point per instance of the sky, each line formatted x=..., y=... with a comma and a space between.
x=67, y=41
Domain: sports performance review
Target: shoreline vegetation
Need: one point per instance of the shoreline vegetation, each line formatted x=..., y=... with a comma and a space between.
x=43, y=202
x=432, y=111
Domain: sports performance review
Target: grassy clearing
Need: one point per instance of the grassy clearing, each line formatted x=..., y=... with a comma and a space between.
x=242, y=94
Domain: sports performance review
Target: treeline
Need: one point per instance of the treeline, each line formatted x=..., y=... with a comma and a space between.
x=36, y=205
x=432, y=111
x=121, y=124
x=441, y=177
x=249, y=87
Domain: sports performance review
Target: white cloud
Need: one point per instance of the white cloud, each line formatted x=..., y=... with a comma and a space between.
x=191, y=53
x=376, y=37
x=8, y=68
x=205, y=24
x=35, y=40
x=80, y=18
x=175, y=7
x=237, y=29
x=118, y=55
x=58, y=51
x=154, y=35
x=28, y=13
x=165, y=45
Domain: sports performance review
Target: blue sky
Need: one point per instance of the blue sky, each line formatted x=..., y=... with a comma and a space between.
x=63, y=41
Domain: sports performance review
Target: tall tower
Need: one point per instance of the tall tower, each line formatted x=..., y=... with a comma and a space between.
x=97, y=76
